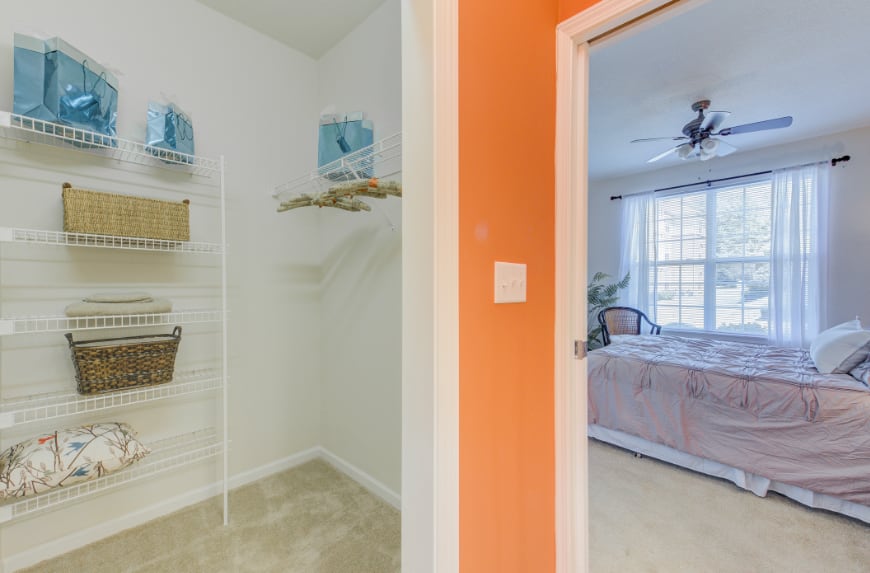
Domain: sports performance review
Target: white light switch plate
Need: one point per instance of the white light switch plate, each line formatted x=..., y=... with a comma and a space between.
x=510, y=282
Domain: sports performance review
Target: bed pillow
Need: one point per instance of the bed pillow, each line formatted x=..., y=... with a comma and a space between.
x=67, y=457
x=840, y=348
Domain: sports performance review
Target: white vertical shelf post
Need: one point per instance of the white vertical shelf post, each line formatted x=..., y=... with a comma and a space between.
x=224, y=345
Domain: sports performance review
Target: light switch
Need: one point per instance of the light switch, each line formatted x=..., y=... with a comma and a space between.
x=510, y=282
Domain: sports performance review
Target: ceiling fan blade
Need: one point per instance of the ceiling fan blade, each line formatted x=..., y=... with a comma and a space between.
x=723, y=149
x=713, y=120
x=757, y=126
x=675, y=138
x=663, y=155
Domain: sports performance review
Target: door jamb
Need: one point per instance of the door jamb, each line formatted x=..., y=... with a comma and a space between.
x=572, y=82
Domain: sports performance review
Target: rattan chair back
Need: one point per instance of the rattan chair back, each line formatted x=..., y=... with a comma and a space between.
x=616, y=320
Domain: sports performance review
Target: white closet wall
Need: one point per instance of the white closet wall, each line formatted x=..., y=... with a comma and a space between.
x=361, y=330
x=254, y=101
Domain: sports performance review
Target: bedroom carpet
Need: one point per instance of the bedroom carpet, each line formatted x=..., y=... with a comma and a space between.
x=309, y=519
x=649, y=516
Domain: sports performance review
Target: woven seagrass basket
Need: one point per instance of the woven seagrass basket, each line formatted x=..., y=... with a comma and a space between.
x=119, y=363
x=98, y=213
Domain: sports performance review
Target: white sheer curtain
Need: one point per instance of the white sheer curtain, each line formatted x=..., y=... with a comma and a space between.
x=638, y=240
x=798, y=253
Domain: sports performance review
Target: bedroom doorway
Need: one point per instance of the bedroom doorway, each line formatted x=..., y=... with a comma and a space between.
x=576, y=205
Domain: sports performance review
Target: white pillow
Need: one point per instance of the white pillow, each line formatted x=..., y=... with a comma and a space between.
x=840, y=348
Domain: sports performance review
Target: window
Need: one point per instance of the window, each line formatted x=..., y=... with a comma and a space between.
x=711, y=266
x=747, y=258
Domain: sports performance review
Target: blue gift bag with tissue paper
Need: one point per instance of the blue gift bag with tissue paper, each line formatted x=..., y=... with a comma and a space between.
x=55, y=82
x=343, y=135
x=169, y=133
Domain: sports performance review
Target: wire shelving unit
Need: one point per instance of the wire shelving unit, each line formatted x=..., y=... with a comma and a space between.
x=166, y=454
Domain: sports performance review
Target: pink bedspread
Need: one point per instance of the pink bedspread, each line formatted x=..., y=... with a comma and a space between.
x=763, y=409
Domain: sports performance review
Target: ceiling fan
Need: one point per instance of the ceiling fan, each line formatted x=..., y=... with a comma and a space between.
x=699, y=134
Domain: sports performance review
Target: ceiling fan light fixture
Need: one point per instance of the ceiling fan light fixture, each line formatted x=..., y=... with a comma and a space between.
x=708, y=148
x=709, y=145
x=685, y=150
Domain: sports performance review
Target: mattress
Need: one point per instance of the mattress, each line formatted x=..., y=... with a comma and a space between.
x=762, y=409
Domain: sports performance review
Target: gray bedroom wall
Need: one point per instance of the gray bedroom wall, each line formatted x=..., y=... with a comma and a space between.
x=849, y=232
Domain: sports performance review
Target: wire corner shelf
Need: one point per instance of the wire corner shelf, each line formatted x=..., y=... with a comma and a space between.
x=381, y=159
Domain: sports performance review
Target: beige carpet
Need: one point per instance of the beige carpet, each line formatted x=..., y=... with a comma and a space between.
x=649, y=516
x=310, y=519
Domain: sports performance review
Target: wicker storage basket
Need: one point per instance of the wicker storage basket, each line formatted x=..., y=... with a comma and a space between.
x=99, y=213
x=119, y=363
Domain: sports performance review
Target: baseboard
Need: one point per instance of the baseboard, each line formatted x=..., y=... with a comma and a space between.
x=275, y=467
x=107, y=528
x=362, y=478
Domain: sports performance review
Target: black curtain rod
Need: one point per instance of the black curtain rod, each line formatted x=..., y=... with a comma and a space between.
x=711, y=181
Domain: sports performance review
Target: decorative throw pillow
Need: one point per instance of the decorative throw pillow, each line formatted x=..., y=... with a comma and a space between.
x=840, y=348
x=67, y=457
x=862, y=372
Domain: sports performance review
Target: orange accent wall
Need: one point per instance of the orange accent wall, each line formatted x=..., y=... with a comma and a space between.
x=506, y=157
x=568, y=8
x=507, y=112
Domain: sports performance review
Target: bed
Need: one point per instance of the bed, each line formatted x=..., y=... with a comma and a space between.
x=762, y=417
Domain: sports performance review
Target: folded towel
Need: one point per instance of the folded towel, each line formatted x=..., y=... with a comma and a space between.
x=119, y=297
x=154, y=306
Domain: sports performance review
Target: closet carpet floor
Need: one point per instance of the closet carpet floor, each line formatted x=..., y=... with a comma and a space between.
x=309, y=519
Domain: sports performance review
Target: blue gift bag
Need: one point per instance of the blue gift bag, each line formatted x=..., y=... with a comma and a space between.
x=57, y=83
x=170, y=130
x=340, y=136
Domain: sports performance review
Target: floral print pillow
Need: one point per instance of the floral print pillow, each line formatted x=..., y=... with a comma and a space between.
x=67, y=457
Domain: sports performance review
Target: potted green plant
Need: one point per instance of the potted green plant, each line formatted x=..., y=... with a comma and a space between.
x=601, y=294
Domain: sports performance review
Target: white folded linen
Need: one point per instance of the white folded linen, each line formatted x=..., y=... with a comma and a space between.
x=154, y=306
x=119, y=297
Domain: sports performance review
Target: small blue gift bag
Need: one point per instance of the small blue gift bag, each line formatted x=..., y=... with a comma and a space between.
x=55, y=82
x=341, y=135
x=169, y=133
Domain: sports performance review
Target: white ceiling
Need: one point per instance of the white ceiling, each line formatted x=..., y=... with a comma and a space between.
x=310, y=26
x=758, y=59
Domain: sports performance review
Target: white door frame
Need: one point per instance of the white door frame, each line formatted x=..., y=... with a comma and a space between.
x=430, y=286
x=572, y=82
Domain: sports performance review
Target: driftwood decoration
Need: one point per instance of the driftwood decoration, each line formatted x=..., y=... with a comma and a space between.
x=344, y=195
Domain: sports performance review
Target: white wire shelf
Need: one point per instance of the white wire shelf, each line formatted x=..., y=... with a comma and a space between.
x=60, y=238
x=21, y=128
x=39, y=324
x=382, y=159
x=165, y=455
x=50, y=406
